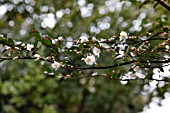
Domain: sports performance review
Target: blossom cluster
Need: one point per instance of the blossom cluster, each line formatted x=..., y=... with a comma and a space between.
x=90, y=59
x=64, y=52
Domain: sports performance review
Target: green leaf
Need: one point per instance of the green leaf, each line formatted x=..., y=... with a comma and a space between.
x=37, y=35
x=35, y=44
x=49, y=69
x=2, y=40
x=138, y=64
x=10, y=41
x=166, y=29
x=47, y=42
x=115, y=75
x=149, y=74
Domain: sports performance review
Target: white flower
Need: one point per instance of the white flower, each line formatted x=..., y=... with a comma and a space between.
x=90, y=60
x=54, y=41
x=48, y=58
x=18, y=43
x=37, y=56
x=123, y=36
x=132, y=54
x=122, y=46
x=60, y=38
x=120, y=54
x=15, y=58
x=102, y=44
x=83, y=39
x=94, y=39
x=7, y=47
x=56, y=65
x=23, y=44
x=96, y=51
x=167, y=47
x=30, y=46
x=17, y=48
x=94, y=74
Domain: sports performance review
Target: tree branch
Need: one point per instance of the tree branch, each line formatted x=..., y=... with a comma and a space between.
x=125, y=63
x=23, y=58
x=120, y=79
x=163, y=4
x=105, y=67
x=94, y=67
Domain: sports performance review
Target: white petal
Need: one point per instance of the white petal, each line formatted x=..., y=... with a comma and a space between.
x=90, y=60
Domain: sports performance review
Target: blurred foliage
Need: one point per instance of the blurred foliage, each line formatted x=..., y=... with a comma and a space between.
x=24, y=88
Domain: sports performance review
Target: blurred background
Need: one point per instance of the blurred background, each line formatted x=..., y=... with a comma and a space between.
x=25, y=89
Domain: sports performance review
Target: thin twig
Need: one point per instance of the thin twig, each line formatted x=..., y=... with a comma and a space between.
x=125, y=63
x=163, y=4
x=120, y=79
x=24, y=58
x=93, y=67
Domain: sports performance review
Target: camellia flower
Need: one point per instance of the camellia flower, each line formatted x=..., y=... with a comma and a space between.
x=96, y=51
x=94, y=39
x=104, y=45
x=90, y=60
x=120, y=54
x=18, y=43
x=122, y=46
x=23, y=44
x=15, y=58
x=30, y=46
x=56, y=65
x=7, y=47
x=83, y=39
x=123, y=36
x=60, y=38
x=37, y=56
x=54, y=41
x=94, y=74
x=17, y=48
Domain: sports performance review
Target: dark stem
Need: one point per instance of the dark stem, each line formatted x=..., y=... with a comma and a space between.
x=120, y=79
x=105, y=67
x=24, y=58
x=163, y=4
x=125, y=63
x=96, y=67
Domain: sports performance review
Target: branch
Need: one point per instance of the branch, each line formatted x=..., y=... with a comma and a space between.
x=94, y=67
x=23, y=58
x=105, y=67
x=125, y=63
x=120, y=79
x=163, y=4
